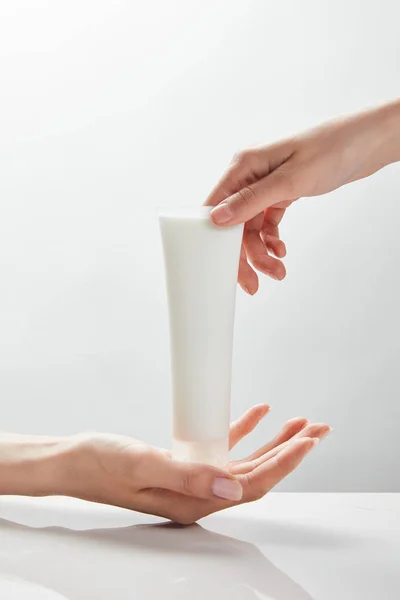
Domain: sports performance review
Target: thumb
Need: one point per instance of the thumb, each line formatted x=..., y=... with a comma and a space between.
x=275, y=188
x=191, y=479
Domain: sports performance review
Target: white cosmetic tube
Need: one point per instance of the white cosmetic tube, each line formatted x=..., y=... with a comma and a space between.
x=201, y=263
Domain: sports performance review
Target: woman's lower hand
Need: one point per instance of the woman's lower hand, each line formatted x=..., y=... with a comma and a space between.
x=125, y=472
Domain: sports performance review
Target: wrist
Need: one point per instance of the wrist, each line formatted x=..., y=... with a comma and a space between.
x=32, y=465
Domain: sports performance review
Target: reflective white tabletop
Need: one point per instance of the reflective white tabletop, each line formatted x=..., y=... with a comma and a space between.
x=285, y=547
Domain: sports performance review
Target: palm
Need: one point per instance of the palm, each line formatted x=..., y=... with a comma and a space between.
x=258, y=473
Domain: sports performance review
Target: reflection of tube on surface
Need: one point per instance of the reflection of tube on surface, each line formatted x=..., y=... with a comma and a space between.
x=201, y=263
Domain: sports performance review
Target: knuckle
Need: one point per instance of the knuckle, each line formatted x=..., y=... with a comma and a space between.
x=280, y=469
x=258, y=263
x=242, y=158
x=186, y=483
x=247, y=195
x=256, y=490
x=272, y=222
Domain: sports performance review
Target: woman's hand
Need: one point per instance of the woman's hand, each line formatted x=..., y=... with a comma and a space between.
x=125, y=472
x=262, y=182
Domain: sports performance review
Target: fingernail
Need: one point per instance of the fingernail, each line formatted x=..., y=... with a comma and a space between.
x=227, y=489
x=246, y=289
x=222, y=213
x=315, y=442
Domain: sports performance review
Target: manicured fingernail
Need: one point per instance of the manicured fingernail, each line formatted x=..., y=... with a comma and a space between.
x=222, y=213
x=227, y=489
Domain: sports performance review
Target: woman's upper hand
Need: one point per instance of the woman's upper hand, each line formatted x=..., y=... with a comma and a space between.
x=262, y=182
x=125, y=472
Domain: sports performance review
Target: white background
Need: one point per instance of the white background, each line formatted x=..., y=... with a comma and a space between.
x=109, y=109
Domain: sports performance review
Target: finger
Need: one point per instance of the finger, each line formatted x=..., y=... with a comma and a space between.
x=284, y=205
x=256, y=250
x=247, y=277
x=262, y=479
x=274, y=245
x=270, y=231
x=272, y=219
x=243, y=205
x=259, y=257
x=247, y=467
x=201, y=481
x=289, y=429
x=314, y=430
x=246, y=423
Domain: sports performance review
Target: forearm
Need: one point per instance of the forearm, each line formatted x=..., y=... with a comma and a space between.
x=383, y=124
x=31, y=465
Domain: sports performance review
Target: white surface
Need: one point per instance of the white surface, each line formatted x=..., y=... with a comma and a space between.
x=201, y=265
x=286, y=547
x=109, y=109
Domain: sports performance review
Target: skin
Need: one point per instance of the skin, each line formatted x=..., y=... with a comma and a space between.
x=262, y=182
x=125, y=472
